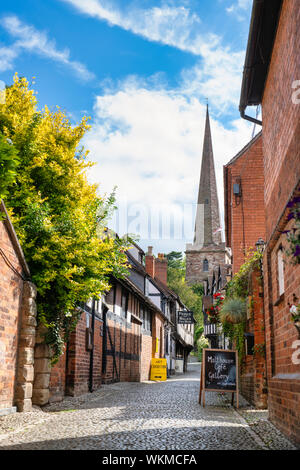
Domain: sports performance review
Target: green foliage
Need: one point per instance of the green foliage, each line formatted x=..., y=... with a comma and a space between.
x=198, y=332
x=235, y=334
x=293, y=235
x=175, y=260
x=58, y=216
x=237, y=292
x=233, y=310
x=239, y=285
x=8, y=165
x=295, y=311
x=202, y=343
x=260, y=349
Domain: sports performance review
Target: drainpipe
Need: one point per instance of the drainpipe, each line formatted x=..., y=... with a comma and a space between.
x=92, y=350
x=264, y=315
x=249, y=118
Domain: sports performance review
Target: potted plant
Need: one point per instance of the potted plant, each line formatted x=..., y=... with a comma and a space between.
x=233, y=310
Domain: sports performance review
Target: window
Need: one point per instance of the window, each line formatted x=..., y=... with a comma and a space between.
x=249, y=343
x=145, y=316
x=98, y=307
x=205, y=265
x=280, y=268
x=124, y=303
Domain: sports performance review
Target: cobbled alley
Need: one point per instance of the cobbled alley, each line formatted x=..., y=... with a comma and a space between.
x=143, y=416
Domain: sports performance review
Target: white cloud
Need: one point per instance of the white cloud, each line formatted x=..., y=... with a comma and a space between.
x=149, y=144
x=217, y=74
x=7, y=57
x=30, y=39
x=174, y=26
x=217, y=78
x=239, y=9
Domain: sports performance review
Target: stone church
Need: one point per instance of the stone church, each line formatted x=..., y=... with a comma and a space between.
x=207, y=252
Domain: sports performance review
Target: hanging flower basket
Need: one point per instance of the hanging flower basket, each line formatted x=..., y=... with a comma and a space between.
x=214, y=310
x=233, y=311
x=213, y=315
x=295, y=318
x=293, y=235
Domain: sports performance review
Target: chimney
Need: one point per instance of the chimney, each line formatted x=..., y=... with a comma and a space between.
x=161, y=268
x=150, y=262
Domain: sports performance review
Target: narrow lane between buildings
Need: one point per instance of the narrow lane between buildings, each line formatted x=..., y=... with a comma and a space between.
x=143, y=416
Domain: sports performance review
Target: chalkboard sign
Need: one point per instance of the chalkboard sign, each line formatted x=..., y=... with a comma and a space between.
x=219, y=372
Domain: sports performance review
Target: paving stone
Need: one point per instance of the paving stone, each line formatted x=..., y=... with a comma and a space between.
x=147, y=416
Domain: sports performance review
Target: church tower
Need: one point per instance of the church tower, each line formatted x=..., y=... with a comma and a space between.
x=207, y=252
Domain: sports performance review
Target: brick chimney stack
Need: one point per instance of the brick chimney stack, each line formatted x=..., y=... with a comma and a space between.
x=161, y=268
x=150, y=262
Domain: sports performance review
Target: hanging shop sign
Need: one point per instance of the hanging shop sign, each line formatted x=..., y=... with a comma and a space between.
x=158, y=369
x=219, y=372
x=185, y=317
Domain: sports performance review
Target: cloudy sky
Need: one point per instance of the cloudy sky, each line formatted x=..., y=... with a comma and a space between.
x=143, y=70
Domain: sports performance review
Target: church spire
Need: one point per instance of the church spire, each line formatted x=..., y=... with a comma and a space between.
x=207, y=218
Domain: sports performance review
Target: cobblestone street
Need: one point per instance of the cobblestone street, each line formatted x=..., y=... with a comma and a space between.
x=143, y=416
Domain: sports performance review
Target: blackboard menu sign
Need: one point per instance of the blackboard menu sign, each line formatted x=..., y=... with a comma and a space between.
x=219, y=372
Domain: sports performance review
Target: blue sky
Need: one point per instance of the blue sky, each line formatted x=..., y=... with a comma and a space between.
x=142, y=70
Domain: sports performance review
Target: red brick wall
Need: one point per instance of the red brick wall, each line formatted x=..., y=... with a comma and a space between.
x=253, y=370
x=161, y=268
x=281, y=146
x=78, y=373
x=128, y=353
x=125, y=340
x=57, y=384
x=146, y=356
x=150, y=265
x=10, y=302
x=71, y=377
x=281, y=117
x=245, y=217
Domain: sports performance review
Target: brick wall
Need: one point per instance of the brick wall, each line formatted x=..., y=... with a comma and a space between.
x=11, y=286
x=17, y=322
x=123, y=351
x=281, y=117
x=70, y=376
x=146, y=356
x=161, y=268
x=281, y=147
x=57, y=383
x=245, y=215
x=253, y=376
x=78, y=369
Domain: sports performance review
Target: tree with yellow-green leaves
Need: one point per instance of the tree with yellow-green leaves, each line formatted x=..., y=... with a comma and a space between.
x=57, y=214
